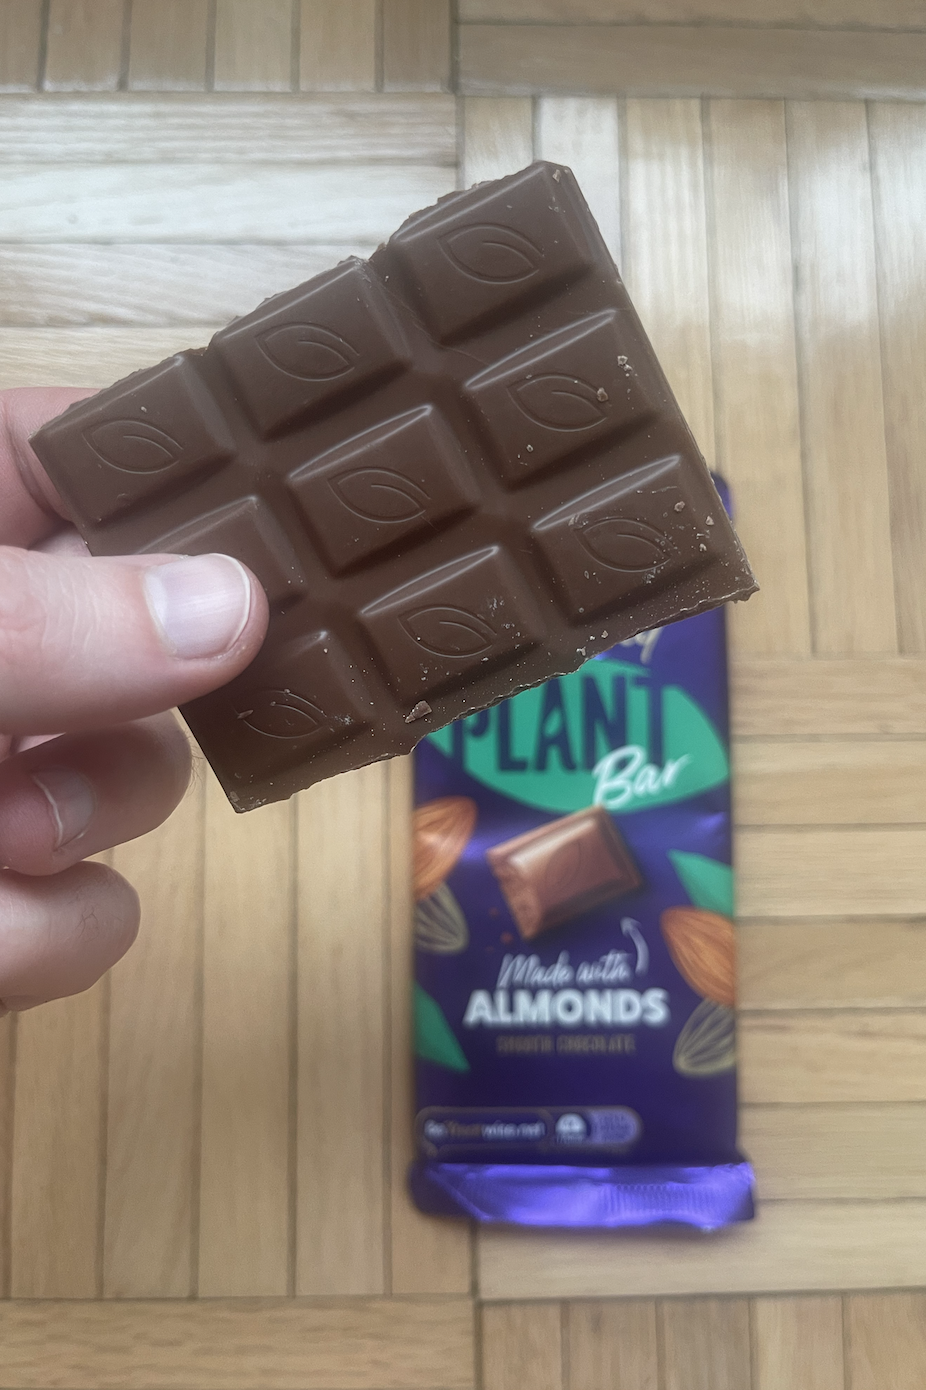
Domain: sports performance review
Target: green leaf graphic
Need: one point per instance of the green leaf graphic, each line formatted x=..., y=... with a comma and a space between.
x=548, y=747
x=434, y=1038
x=708, y=883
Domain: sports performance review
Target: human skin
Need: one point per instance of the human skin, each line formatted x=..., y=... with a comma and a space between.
x=94, y=653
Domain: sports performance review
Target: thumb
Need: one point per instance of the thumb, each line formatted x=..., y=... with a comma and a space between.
x=86, y=642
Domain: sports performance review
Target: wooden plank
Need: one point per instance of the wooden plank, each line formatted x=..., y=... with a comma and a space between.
x=7, y=1075
x=848, y=517
x=793, y=1246
x=888, y=14
x=844, y=782
x=187, y=202
x=154, y=1044
x=130, y=128
x=831, y=873
x=758, y=426
x=899, y=186
x=613, y=1345
x=798, y=1343
x=837, y=1055
x=361, y=1344
x=829, y=697
x=498, y=137
x=338, y=46
x=167, y=46
x=20, y=43
x=58, y=1149
x=826, y=964
x=886, y=1341
x=667, y=273
x=849, y=1152
x=253, y=46
x=244, y=1220
x=85, y=356
x=705, y=1344
x=582, y=133
x=522, y=1345
x=425, y=1255
x=58, y=285
x=84, y=42
x=691, y=60
x=416, y=45
x=342, y=886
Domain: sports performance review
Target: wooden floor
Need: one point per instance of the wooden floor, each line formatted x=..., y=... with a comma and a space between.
x=201, y=1160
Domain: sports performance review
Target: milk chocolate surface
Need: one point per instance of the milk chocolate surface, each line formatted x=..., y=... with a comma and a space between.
x=563, y=869
x=457, y=470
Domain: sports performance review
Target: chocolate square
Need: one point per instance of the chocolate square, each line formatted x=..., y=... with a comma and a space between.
x=563, y=869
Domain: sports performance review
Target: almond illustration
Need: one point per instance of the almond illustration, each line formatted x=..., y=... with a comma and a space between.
x=706, y=1046
x=440, y=832
x=702, y=945
x=440, y=926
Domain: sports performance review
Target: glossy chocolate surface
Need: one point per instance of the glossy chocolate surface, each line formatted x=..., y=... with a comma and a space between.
x=457, y=469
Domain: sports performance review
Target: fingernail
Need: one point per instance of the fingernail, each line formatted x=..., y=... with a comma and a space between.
x=72, y=801
x=201, y=603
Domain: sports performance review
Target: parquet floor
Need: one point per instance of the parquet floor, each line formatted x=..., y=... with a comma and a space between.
x=201, y=1160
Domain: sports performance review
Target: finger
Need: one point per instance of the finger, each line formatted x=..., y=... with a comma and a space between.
x=64, y=542
x=30, y=507
x=58, y=935
x=83, y=793
x=85, y=643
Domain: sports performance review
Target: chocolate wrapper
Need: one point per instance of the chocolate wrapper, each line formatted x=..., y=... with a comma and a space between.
x=574, y=996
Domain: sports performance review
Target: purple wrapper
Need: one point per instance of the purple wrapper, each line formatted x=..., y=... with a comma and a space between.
x=527, y=1195
x=574, y=1023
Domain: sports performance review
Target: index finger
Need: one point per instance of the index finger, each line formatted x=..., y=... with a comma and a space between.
x=30, y=508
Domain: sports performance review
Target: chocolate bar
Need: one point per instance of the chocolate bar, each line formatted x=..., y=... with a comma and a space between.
x=562, y=869
x=457, y=470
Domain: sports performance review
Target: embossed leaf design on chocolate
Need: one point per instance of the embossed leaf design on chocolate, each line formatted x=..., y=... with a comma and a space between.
x=281, y=714
x=622, y=544
x=448, y=631
x=307, y=351
x=380, y=494
x=560, y=402
x=493, y=253
x=133, y=446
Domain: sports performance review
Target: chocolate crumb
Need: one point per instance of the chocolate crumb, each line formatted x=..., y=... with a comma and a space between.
x=421, y=709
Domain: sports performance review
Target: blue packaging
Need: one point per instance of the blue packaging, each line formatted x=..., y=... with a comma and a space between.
x=583, y=1074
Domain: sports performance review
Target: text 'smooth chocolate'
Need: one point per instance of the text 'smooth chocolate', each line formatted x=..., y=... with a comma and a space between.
x=457, y=470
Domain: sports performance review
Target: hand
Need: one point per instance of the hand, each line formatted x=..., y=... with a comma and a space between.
x=95, y=650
